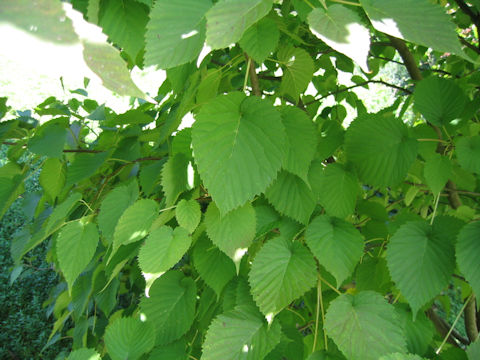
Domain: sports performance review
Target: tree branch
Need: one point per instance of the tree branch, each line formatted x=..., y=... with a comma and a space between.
x=467, y=44
x=471, y=320
x=408, y=59
x=253, y=77
x=468, y=10
x=443, y=327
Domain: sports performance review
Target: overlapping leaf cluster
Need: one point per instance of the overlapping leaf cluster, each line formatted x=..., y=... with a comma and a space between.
x=268, y=229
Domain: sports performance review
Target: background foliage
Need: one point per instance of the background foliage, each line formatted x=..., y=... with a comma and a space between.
x=277, y=226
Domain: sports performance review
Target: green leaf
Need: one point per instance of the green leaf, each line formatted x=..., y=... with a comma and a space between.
x=175, y=32
x=468, y=252
x=421, y=259
x=336, y=244
x=336, y=188
x=291, y=196
x=261, y=39
x=342, y=30
x=302, y=140
x=372, y=274
x=172, y=351
x=49, y=140
x=61, y=211
x=208, y=88
x=468, y=153
x=76, y=245
x=213, y=266
x=379, y=147
x=298, y=69
x=163, y=248
x=439, y=100
x=171, y=306
x=418, y=333
x=232, y=233
x=417, y=21
x=129, y=338
x=124, y=22
x=105, y=61
x=52, y=177
x=364, y=326
x=240, y=334
x=227, y=20
x=84, y=354
x=398, y=356
x=84, y=165
x=135, y=222
x=175, y=177
x=281, y=272
x=239, y=145
x=113, y=206
x=473, y=350
x=331, y=137
x=188, y=214
x=437, y=171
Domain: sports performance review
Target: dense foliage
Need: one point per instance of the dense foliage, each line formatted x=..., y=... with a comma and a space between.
x=272, y=228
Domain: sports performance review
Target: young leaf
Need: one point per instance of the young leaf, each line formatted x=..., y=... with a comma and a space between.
x=468, y=253
x=129, y=338
x=240, y=334
x=171, y=306
x=336, y=244
x=342, y=30
x=261, y=39
x=76, y=245
x=232, y=233
x=420, y=259
x=239, y=145
x=213, y=266
x=439, y=100
x=291, y=196
x=227, y=20
x=379, y=147
x=413, y=20
x=163, y=248
x=364, y=326
x=135, y=222
x=175, y=32
x=188, y=214
x=113, y=206
x=298, y=69
x=302, y=140
x=281, y=272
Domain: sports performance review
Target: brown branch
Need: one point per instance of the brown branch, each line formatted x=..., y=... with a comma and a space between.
x=471, y=319
x=408, y=59
x=253, y=76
